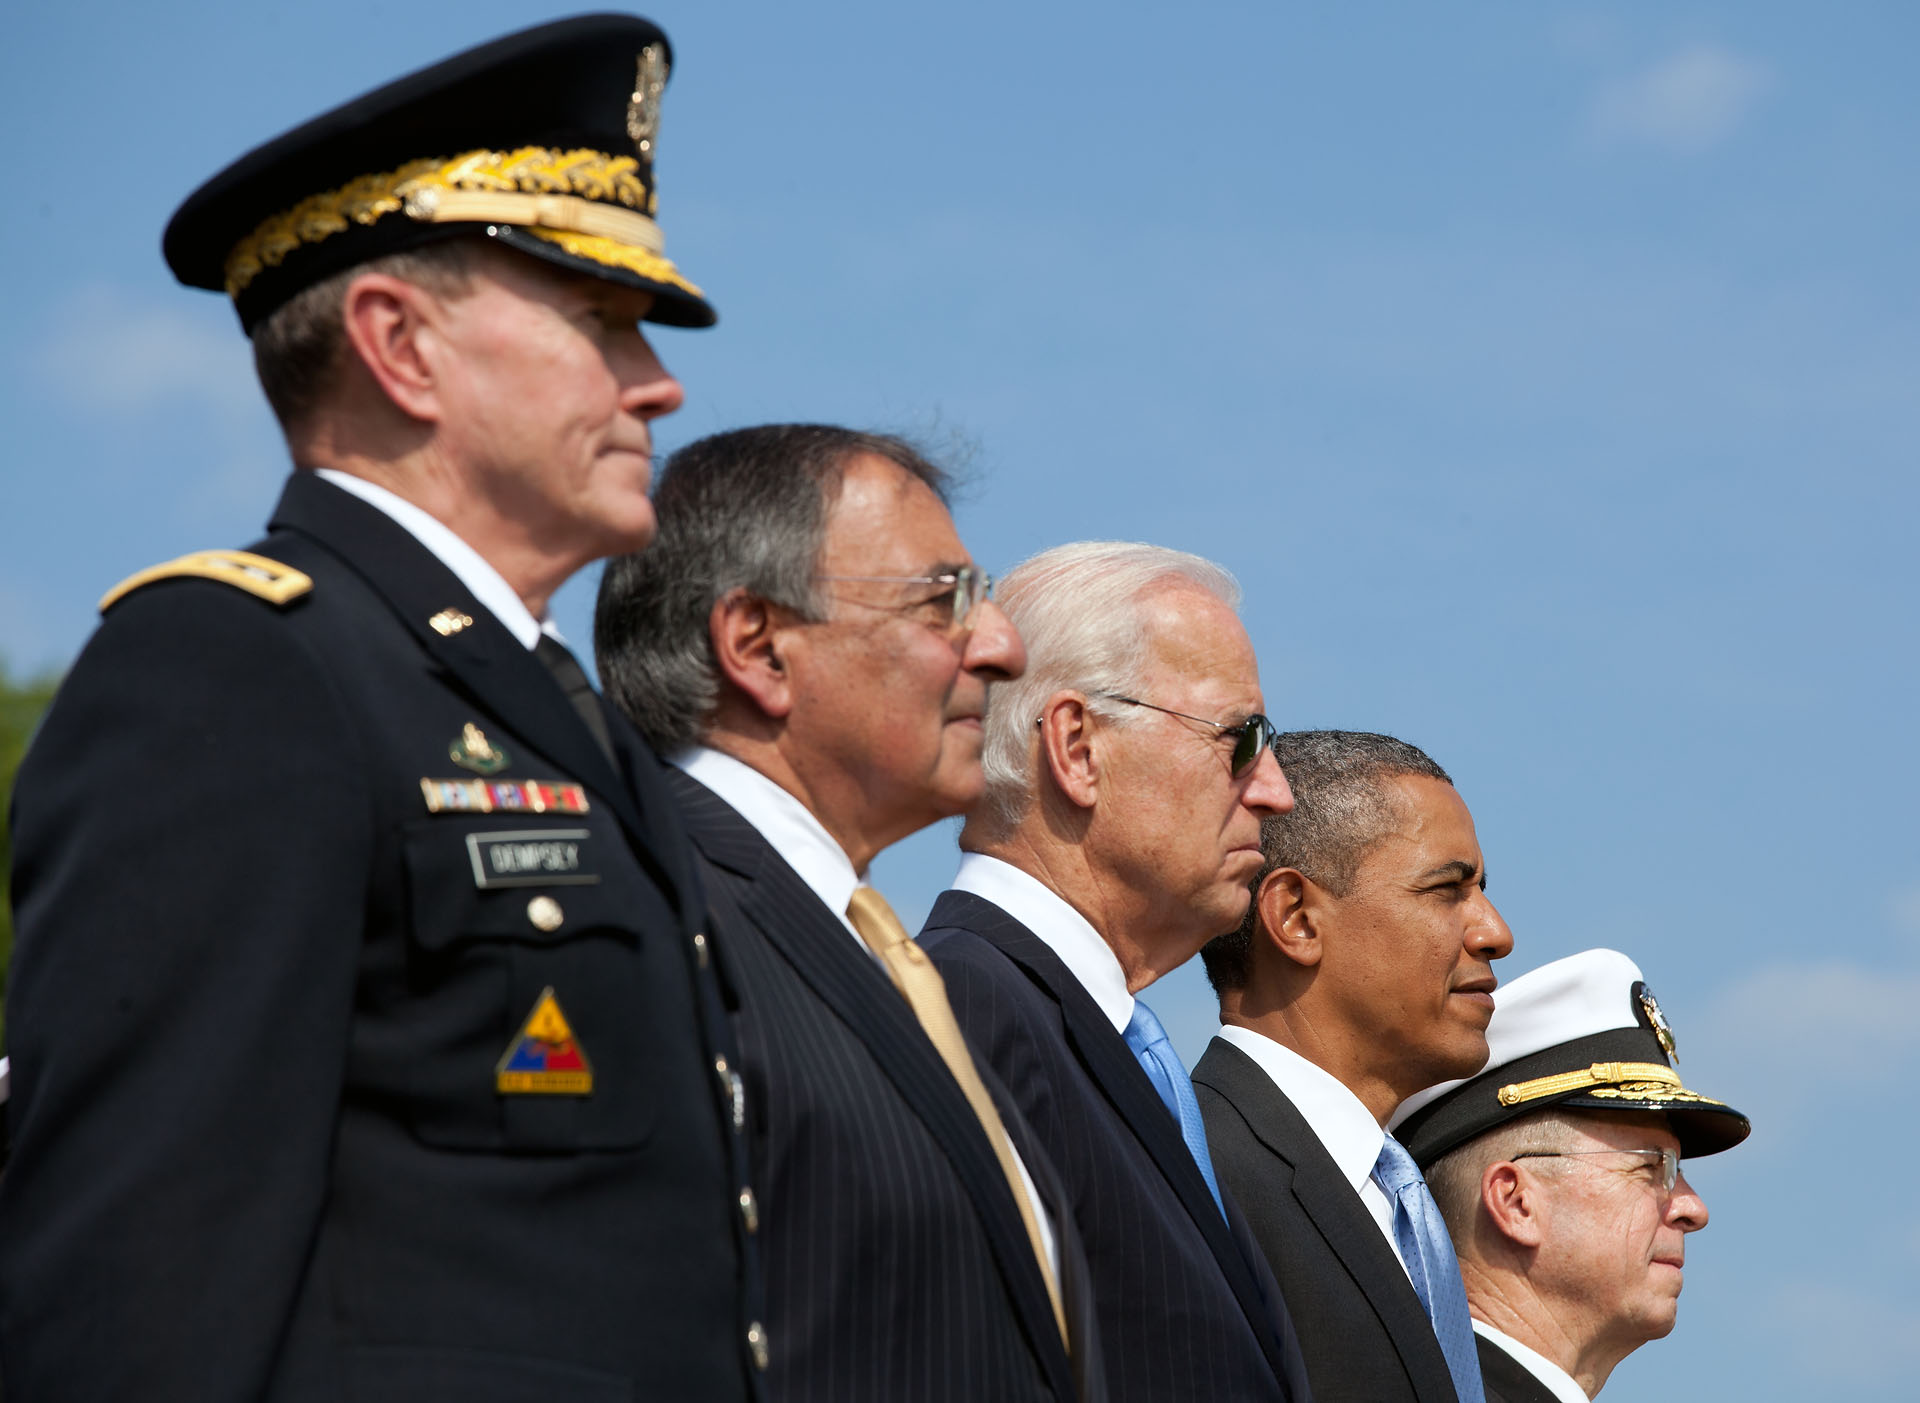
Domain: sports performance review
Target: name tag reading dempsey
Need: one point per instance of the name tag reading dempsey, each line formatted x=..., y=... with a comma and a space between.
x=539, y=857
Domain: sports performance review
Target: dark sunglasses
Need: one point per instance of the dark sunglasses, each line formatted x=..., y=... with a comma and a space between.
x=1250, y=737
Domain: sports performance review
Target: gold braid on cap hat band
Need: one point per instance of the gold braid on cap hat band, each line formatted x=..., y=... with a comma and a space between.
x=1652, y=1079
x=589, y=204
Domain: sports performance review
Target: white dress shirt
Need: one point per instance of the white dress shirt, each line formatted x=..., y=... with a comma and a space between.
x=1558, y=1381
x=485, y=583
x=1062, y=929
x=804, y=843
x=1345, y=1127
x=787, y=824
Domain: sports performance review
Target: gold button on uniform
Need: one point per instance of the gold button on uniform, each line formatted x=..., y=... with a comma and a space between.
x=749, y=1210
x=757, y=1342
x=700, y=948
x=733, y=1091
x=545, y=913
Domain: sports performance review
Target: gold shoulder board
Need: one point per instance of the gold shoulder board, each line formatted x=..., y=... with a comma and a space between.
x=257, y=575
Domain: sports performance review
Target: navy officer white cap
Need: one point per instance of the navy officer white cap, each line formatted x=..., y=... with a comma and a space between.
x=1582, y=1032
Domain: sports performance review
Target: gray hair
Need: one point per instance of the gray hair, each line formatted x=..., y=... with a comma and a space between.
x=297, y=350
x=1341, y=809
x=1455, y=1176
x=1079, y=611
x=745, y=510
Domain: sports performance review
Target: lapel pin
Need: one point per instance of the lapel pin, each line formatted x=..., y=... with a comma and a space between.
x=448, y=622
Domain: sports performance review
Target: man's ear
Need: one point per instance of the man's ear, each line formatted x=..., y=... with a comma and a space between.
x=392, y=329
x=1288, y=919
x=748, y=644
x=1514, y=1204
x=1067, y=747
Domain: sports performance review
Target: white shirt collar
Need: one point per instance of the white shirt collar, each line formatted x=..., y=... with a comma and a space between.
x=787, y=824
x=1344, y=1125
x=485, y=583
x=1064, y=930
x=1558, y=1381
x=792, y=831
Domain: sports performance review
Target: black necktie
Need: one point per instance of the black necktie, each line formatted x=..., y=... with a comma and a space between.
x=572, y=678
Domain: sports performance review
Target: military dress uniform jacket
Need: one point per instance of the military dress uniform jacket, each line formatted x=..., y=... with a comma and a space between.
x=265, y=997
x=1187, y=1307
x=897, y=1267
x=1366, y=1336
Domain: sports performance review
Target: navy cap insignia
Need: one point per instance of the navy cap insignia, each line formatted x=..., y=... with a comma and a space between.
x=544, y=1057
x=1656, y=1020
x=471, y=750
x=479, y=796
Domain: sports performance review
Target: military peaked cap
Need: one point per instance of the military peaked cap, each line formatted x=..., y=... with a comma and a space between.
x=1584, y=1032
x=543, y=141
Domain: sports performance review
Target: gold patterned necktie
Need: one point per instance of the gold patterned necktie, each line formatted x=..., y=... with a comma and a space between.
x=926, y=994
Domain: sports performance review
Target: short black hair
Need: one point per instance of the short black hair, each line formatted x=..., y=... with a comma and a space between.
x=1341, y=808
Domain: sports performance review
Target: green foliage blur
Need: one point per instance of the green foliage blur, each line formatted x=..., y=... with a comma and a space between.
x=21, y=706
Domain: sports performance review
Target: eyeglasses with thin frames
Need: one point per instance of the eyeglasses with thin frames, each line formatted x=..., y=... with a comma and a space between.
x=1669, y=1161
x=1250, y=736
x=971, y=587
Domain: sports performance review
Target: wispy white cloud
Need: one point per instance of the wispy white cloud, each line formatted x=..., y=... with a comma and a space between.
x=1685, y=103
x=120, y=362
x=1793, y=1044
x=114, y=352
x=1903, y=909
x=1844, y=1333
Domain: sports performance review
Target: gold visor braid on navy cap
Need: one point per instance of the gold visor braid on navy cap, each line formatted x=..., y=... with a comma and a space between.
x=1583, y=1033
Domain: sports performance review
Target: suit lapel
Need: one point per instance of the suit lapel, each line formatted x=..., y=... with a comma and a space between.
x=826, y=956
x=484, y=657
x=1114, y=1069
x=1331, y=1205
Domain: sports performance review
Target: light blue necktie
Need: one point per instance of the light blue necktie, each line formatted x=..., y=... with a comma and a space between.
x=1162, y=1064
x=1428, y=1252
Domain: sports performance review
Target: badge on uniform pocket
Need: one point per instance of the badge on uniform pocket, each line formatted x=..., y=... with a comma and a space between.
x=544, y=1059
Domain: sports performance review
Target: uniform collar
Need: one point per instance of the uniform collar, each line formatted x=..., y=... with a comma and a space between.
x=1557, y=1380
x=486, y=584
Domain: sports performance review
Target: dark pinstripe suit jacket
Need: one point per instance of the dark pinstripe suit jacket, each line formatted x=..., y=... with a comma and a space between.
x=1365, y=1335
x=1506, y=1378
x=897, y=1268
x=1187, y=1308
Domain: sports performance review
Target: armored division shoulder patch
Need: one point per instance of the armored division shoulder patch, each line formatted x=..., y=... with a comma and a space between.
x=263, y=578
x=544, y=1058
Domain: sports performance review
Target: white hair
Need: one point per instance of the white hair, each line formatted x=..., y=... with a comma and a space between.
x=1078, y=609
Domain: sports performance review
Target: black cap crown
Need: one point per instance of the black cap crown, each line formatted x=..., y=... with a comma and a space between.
x=543, y=140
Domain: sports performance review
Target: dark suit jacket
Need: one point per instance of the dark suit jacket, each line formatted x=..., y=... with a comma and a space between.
x=1507, y=1380
x=260, y=993
x=1187, y=1309
x=897, y=1267
x=1365, y=1335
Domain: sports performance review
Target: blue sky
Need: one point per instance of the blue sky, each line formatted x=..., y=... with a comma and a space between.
x=1545, y=372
